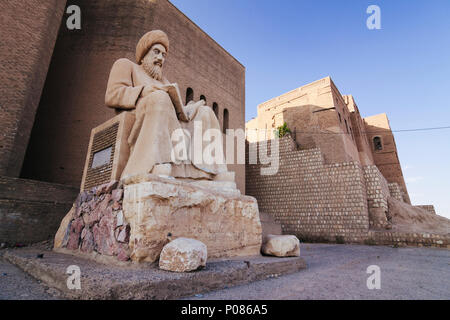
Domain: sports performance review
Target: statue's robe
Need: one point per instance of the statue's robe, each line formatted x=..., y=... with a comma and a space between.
x=150, y=138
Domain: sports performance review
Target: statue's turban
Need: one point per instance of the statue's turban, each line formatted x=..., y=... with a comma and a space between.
x=148, y=40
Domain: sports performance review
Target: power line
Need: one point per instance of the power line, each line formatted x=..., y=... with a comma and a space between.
x=421, y=129
x=377, y=132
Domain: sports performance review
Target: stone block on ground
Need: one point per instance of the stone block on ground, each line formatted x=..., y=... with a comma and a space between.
x=281, y=246
x=183, y=255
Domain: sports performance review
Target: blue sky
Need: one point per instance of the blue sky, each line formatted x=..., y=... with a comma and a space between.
x=402, y=69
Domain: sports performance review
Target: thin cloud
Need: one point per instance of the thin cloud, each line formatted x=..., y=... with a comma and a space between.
x=413, y=179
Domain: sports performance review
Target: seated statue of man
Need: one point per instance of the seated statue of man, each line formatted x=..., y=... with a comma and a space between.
x=141, y=88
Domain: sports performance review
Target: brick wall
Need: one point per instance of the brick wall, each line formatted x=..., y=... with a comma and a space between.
x=311, y=199
x=31, y=211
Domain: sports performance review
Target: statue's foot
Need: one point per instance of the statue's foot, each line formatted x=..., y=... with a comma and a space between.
x=163, y=169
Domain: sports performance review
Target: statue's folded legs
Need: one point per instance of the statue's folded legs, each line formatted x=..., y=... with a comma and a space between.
x=152, y=139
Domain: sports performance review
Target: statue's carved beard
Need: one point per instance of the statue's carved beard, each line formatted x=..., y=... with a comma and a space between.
x=153, y=70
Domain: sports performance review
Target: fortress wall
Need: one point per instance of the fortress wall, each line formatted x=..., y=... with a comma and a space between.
x=311, y=199
x=340, y=202
x=29, y=30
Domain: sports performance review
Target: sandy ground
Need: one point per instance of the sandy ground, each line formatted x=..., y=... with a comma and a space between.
x=334, y=272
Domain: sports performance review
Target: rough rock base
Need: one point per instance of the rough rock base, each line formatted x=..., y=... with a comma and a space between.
x=159, y=209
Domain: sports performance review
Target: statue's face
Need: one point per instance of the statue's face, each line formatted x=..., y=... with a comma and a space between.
x=157, y=54
x=154, y=61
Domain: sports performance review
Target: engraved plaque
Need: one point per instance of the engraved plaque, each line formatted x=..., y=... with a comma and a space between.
x=102, y=157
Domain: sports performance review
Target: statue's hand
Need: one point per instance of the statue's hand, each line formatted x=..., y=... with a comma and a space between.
x=148, y=89
x=166, y=87
x=152, y=88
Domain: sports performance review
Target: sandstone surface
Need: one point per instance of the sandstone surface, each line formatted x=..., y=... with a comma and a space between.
x=281, y=246
x=183, y=255
x=159, y=208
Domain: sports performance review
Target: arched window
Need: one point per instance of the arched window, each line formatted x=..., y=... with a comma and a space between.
x=202, y=97
x=340, y=118
x=215, y=108
x=225, y=120
x=189, y=95
x=377, y=145
x=346, y=125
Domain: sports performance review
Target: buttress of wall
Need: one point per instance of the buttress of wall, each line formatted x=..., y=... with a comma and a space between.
x=359, y=130
x=73, y=100
x=319, y=117
x=386, y=159
x=309, y=198
x=377, y=197
x=395, y=191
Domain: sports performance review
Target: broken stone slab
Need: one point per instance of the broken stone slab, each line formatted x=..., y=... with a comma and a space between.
x=157, y=208
x=281, y=246
x=183, y=255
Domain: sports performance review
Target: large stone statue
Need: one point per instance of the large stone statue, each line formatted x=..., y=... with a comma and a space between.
x=141, y=88
x=164, y=194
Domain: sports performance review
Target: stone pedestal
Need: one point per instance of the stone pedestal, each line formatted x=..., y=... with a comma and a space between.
x=160, y=209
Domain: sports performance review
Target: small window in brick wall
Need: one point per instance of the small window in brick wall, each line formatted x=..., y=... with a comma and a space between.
x=225, y=120
x=377, y=145
x=215, y=108
x=189, y=95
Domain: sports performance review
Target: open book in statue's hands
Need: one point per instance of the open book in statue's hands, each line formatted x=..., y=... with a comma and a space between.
x=175, y=96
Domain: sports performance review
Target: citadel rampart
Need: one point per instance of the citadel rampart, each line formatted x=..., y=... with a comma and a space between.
x=339, y=202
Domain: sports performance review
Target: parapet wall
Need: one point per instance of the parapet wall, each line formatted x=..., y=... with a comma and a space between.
x=311, y=199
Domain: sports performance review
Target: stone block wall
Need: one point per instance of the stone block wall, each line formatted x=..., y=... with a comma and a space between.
x=377, y=195
x=395, y=191
x=340, y=202
x=311, y=199
x=408, y=239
